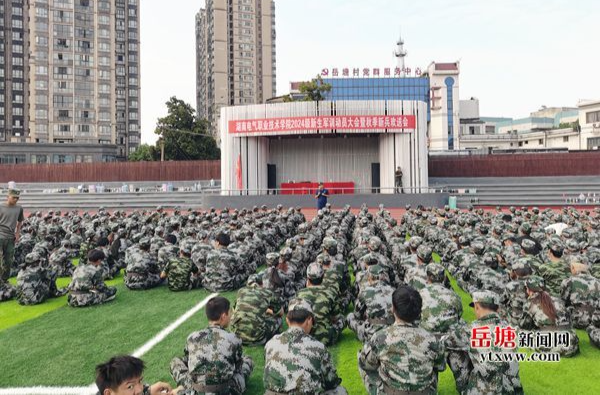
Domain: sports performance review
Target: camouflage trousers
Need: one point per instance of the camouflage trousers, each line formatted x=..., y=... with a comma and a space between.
x=7, y=256
x=567, y=352
x=374, y=385
x=30, y=294
x=581, y=316
x=82, y=299
x=253, y=333
x=138, y=281
x=364, y=329
x=237, y=384
x=7, y=291
x=594, y=334
x=329, y=335
x=460, y=365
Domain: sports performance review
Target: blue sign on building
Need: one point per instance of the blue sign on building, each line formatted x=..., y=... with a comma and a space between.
x=406, y=88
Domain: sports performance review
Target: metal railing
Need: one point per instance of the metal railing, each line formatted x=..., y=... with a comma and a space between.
x=333, y=191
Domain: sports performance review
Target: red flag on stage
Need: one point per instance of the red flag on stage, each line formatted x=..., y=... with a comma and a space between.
x=238, y=173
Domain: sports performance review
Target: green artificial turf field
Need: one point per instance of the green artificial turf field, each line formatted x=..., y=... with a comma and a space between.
x=54, y=345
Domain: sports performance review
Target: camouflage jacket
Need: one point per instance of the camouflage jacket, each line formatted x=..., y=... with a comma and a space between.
x=213, y=355
x=33, y=285
x=405, y=357
x=179, y=271
x=249, y=317
x=297, y=363
x=87, y=278
x=442, y=308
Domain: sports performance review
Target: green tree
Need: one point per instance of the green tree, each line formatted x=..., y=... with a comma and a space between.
x=185, y=136
x=145, y=152
x=313, y=90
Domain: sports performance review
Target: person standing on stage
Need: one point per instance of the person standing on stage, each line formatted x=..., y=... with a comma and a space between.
x=321, y=196
x=398, y=179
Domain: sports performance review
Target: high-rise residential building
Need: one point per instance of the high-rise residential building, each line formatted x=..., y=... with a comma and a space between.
x=14, y=81
x=84, y=73
x=236, y=55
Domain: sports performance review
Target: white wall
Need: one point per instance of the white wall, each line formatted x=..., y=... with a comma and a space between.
x=327, y=159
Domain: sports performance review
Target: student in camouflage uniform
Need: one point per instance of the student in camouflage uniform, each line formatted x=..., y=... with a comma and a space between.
x=168, y=251
x=33, y=285
x=87, y=287
x=329, y=323
x=581, y=294
x=297, y=363
x=373, y=307
x=61, y=259
x=181, y=272
x=222, y=267
x=442, y=314
x=514, y=295
x=555, y=271
x=257, y=313
x=402, y=357
x=548, y=314
x=123, y=375
x=593, y=330
x=142, y=270
x=485, y=377
x=213, y=362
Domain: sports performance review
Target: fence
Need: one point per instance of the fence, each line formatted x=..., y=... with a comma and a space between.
x=112, y=172
x=579, y=163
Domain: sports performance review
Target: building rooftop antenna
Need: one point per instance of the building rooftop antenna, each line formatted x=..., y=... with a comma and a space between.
x=400, y=53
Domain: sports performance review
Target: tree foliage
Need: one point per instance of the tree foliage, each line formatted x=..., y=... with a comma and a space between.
x=145, y=152
x=313, y=90
x=185, y=136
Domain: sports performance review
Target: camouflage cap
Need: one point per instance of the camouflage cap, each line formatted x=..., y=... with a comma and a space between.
x=14, y=192
x=323, y=259
x=377, y=272
x=314, y=271
x=272, y=258
x=528, y=246
x=374, y=243
x=488, y=297
x=144, y=242
x=436, y=272
x=33, y=257
x=573, y=245
x=286, y=253
x=415, y=242
x=186, y=246
x=424, y=252
x=535, y=283
x=478, y=247
x=300, y=305
x=520, y=264
x=557, y=247
x=525, y=228
x=255, y=278
x=329, y=242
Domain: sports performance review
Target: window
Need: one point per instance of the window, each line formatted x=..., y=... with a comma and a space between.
x=36, y=158
x=540, y=141
x=592, y=117
x=520, y=143
x=565, y=139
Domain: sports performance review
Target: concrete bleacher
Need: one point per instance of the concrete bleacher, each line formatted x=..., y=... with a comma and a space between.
x=140, y=195
x=522, y=191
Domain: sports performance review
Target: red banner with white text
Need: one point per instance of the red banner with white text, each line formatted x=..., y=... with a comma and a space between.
x=324, y=123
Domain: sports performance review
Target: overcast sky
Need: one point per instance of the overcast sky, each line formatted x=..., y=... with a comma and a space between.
x=516, y=55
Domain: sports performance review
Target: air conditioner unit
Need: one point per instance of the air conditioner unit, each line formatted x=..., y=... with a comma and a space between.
x=597, y=125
